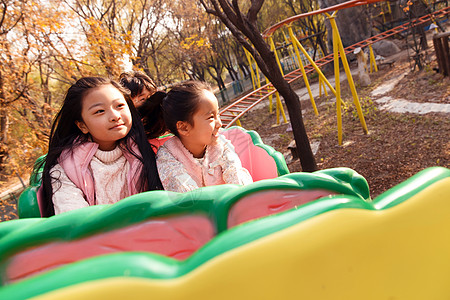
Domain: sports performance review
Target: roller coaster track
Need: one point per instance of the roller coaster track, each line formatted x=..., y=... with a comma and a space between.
x=231, y=113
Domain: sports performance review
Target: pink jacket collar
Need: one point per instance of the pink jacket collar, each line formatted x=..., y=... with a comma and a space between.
x=75, y=163
x=207, y=173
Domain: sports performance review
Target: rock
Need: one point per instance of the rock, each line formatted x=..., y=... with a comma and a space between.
x=354, y=23
x=385, y=48
x=293, y=148
x=364, y=79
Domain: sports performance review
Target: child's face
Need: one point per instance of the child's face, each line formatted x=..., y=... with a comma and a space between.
x=106, y=116
x=142, y=97
x=205, y=127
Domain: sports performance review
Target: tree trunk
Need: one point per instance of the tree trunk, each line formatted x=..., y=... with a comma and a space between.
x=268, y=64
x=232, y=74
x=3, y=113
x=244, y=69
x=154, y=59
x=307, y=160
x=219, y=79
x=3, y=125
x=322, y=45
x=46, y=94
x=3, y=138
x=3, y=129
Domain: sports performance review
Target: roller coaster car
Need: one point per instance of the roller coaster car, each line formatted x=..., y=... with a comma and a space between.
x=261, y=160
x=301, y=235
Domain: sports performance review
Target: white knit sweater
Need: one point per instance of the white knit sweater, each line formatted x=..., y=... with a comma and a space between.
x=109, y=169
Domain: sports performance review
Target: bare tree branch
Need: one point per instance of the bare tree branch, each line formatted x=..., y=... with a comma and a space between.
x=252, y=13
x=6, y=30
x=207, y=9
x=237, y=10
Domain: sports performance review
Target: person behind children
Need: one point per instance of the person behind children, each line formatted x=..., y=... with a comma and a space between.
x=98, y=151
x=197, y=155
x=140, y=85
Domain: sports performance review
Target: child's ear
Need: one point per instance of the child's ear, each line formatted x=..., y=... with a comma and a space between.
x=82, y=127
x=183, y=128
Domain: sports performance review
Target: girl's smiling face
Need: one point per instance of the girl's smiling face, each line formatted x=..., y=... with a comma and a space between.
x=105, y=116
x=205, y=125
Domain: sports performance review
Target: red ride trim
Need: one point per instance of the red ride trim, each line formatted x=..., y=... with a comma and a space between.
x=177, y=237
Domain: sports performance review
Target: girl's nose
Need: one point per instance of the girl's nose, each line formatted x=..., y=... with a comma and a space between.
x=115, y=115
x=218, y=122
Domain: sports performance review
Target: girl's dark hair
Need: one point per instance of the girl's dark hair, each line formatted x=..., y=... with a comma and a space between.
x=136, y=82
x=162, y=111
x=65, y=134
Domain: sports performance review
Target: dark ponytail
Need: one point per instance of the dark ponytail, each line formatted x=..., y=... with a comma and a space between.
x=162, y=111
x=181, y=102
x=152, y=115
x=136, y=82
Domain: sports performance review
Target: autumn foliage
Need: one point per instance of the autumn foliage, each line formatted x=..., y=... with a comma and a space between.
x=45, y=46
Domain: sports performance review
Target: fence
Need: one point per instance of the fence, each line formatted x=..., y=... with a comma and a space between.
x=238, y=87
x=233, y=90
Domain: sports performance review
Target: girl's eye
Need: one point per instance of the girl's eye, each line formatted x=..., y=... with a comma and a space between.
x=98, y=111
x=121, y=105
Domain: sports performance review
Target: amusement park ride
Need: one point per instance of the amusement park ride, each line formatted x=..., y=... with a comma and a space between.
x=286, y=236
x=231, y=113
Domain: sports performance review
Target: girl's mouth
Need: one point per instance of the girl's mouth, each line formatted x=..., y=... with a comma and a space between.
x=117, y=126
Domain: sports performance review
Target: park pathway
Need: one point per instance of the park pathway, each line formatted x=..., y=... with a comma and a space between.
x=404, y=106
x=383, y=101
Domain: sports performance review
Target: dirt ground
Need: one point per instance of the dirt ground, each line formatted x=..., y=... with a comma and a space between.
x=396, y=147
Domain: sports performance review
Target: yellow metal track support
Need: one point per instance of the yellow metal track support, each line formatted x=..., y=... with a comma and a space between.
x=373, y=61
x=279, y=106
x=255, y=77
x=286, y=40
x=305, y=78
x=339, y=48
x=270, y=100
x=250, y=66
x=321, y=83
x=338, y=87
x=313, y=64
x=238, y=122
x=272, y=47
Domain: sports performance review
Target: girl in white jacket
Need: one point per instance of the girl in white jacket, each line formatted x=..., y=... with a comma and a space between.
x=198, y=155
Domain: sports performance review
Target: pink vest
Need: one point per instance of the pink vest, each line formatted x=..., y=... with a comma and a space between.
x=210, y=172
x=75, y=163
